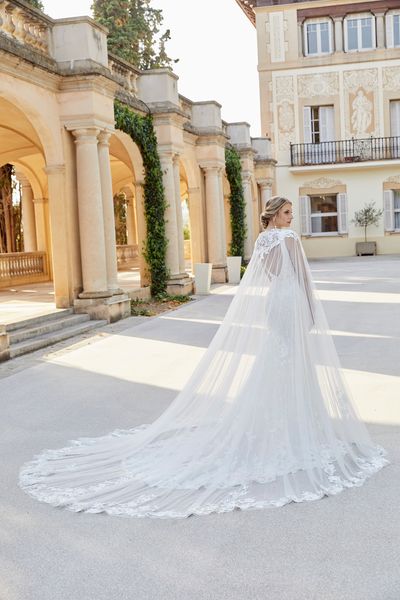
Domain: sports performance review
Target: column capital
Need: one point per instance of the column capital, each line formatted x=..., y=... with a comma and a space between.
x=338, y=18
x=87, y=135
x=264, y=183
x=40, y=200
x=211, y=166
x=104, y=138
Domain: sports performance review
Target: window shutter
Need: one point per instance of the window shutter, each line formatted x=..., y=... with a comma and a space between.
x=307, y=124
x=395, y=118
x=389, y=31
x=342, y=212
x=305, y=215
x=388, y=204
x=330, y=28
x=327, y=123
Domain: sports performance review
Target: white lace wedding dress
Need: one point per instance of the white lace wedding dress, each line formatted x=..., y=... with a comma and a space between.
x=265, y=419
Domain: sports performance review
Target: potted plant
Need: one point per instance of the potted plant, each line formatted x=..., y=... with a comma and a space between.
x=369, y=215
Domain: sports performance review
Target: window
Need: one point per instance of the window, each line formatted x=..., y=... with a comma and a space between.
x=393, y=30
x=318, y=124
x=324, y=214
x=391, y=202
x=359, y=33
x=319, y=133
x=396, y=208
x=395, y=128
x=318, y=37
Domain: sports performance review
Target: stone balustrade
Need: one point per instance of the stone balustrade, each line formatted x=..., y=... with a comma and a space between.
x=125, y=73
x=25, y=25
x=127, y=255
x=23, y=267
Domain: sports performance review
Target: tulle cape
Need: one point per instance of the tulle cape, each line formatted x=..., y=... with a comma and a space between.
x=265, y=419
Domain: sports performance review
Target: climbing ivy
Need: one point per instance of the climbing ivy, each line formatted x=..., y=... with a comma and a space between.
x=237, y=202
x=141, y=130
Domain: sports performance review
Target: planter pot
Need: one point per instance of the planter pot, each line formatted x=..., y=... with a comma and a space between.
x=202, y=277
x=234, y=263
x=365, y=248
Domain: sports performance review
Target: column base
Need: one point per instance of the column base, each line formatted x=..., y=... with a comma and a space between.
x=108, y=309
x=180, y=284
x=218, y=275
x=95, y=295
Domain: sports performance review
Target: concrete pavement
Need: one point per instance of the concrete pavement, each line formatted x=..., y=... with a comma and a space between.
x=344, y=547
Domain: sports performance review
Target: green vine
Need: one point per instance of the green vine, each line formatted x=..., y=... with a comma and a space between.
x=237, y=202
x=141, y=130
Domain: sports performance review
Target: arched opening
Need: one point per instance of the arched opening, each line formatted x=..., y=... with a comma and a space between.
x=25, y=247
x=130, y=228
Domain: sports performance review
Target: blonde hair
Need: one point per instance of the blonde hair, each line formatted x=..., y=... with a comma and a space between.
x=271, y=207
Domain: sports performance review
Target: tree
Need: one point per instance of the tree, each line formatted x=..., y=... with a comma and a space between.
x=134, y=28
x=36, y=4
x=369, y=215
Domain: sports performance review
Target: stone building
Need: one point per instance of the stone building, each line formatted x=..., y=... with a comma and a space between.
x=329, y=75
x=57, y=89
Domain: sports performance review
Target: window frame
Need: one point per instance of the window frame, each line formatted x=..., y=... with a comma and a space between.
x=318, y=21
x=323, y=215
x=359, y=17
x=396, y=210
x=389, y=28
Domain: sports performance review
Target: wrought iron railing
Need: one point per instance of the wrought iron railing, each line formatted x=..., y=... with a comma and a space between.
x=345, y=151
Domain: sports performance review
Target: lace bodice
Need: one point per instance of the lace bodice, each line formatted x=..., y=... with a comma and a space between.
x=270, y=238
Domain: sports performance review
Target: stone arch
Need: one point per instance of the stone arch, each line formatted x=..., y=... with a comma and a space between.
x=127, y=176
x=192, y=184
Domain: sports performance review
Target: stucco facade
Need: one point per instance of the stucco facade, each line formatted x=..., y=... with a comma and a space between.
x=330, y=102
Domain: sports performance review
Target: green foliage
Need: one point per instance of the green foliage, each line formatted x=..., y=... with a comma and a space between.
x=134, y=28
x=120, y=214
x=186, y=232
x=369, y=215
x=236, y=201
x=36, y=4
x=142, y=132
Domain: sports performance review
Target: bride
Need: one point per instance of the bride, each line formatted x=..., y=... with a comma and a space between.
x=265, y=419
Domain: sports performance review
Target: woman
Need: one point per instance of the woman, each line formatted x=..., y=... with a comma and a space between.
x=264, y=420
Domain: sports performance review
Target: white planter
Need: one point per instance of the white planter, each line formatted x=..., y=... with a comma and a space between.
x=234, y=263
x=202, y=277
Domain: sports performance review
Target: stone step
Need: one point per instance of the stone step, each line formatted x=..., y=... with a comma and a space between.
x=27, y=333
x=48, y=339
x=33, y=321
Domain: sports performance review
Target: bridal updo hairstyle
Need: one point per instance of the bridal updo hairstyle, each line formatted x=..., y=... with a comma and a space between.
x=271, y=207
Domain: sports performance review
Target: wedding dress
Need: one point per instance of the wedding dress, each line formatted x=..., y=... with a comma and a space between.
x=265, y=419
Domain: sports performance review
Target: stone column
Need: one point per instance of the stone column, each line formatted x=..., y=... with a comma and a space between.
x=60, y=241
x=300, y=37
x=266, y=192
x=28, y=215
x=248, y=196
x=91, y=219
x=171, y=226
x=380, y=28
x=215, y=224
x=338, y=33
x=39, y=206
x=179, y=220
x=108, y=212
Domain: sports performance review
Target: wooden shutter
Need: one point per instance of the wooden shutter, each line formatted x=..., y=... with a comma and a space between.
x=305, y=215
x=389, y=31
x=327, y=123
x=395, y=118
x=307, y=124
x=388, y=205
x=342, y=213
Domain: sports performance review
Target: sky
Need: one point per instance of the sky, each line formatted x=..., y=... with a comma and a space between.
x=217, y=49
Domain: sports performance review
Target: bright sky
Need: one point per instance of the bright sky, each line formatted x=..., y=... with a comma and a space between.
x=217, y=50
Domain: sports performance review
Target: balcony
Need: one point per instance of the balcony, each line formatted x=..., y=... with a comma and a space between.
x=345, y=151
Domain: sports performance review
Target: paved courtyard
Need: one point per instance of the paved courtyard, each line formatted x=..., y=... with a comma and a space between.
x=345, y=547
